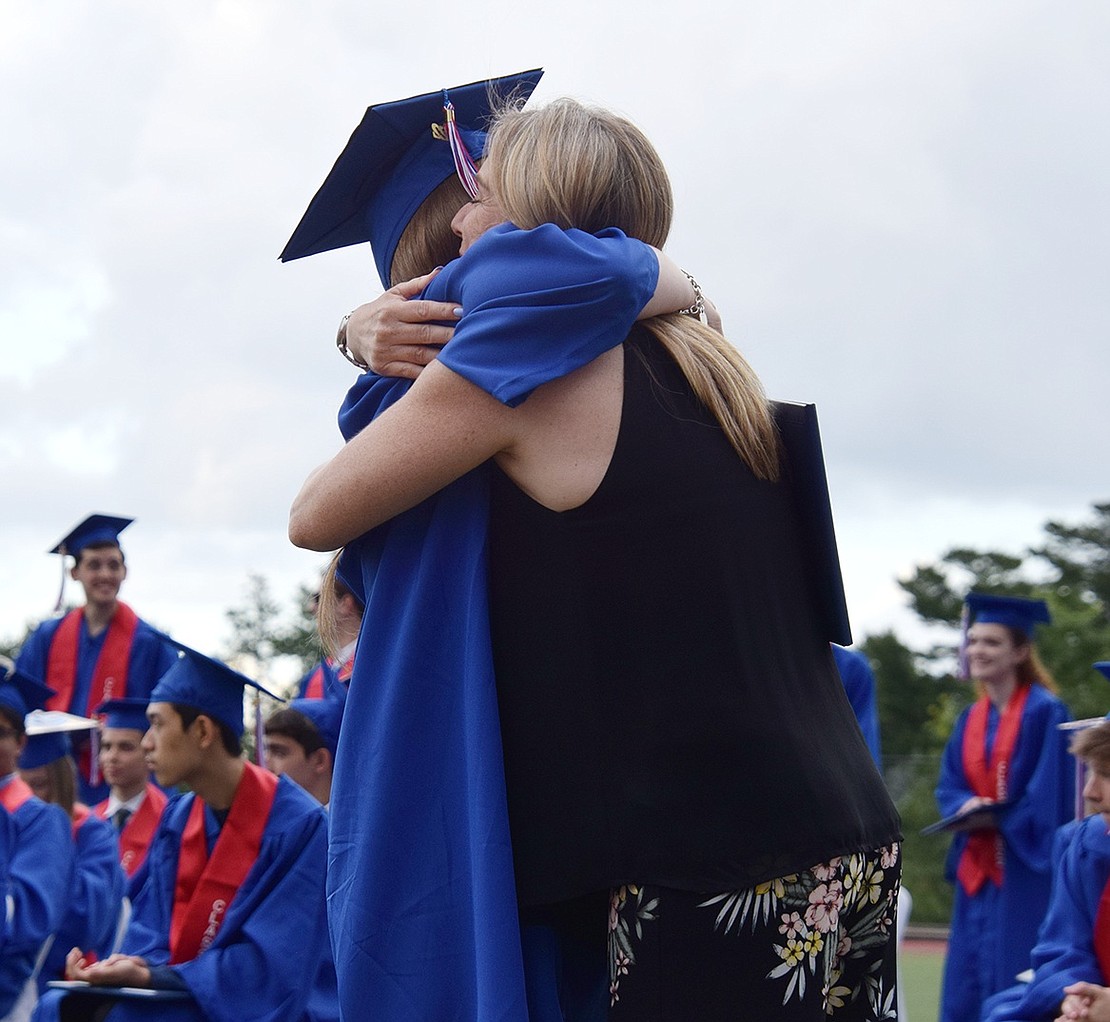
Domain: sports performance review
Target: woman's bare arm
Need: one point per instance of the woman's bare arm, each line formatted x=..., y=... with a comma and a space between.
x=441, y=429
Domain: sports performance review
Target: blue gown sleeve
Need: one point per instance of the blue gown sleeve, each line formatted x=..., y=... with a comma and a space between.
x=37, y=884
x=1065, y=952
x=33, y=654
x=953, y=789
x=539, y=304
x=859, y=685
x=99, y=887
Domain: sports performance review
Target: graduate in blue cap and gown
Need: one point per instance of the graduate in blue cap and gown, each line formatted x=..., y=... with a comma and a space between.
x=36, y=849
x=859, y=686
x=301, y=740
x=135, y=804
x=228, y=916
x=100, y=651
x=1006, y=748
x=96, y=894
x=420, y=881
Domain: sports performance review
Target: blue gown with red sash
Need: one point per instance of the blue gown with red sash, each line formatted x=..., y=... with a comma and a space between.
x=36, y=869
x=94, y=904
x=139, y=655
x=421, y=895
x=1074, y=941
x=998, y=909
x=139, y=830
x=269, y=958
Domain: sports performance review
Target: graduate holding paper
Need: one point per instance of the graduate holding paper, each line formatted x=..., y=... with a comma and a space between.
x=1005, y=748
x=228, y=914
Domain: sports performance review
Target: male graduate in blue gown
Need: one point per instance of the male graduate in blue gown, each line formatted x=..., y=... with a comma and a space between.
x=228, y=918
x=100, y=651
x=1073, y=946
x=36, y=850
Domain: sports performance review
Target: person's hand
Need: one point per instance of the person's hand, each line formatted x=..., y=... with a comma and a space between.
x=117, y=971
x=398, y=334
x=1085, y=1001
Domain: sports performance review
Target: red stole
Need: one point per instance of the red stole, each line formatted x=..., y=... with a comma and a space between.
x=315, y=687
x=1102, y=934
x=206, y=886
x=109, y=680
x=14, y=794
x=982, y=857
x=348, y=668
x=135, y=838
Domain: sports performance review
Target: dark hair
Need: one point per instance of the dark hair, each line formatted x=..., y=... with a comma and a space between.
x=290, y=723
x=229, y=738
x=13, y=718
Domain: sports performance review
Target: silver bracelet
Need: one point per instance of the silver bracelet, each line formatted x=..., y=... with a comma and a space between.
x=697, y=309
x=341, y=343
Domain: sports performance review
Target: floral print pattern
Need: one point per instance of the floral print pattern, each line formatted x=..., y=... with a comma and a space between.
x=826, y=926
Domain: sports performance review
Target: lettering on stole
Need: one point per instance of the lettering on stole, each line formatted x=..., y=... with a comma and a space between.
x=213, y=926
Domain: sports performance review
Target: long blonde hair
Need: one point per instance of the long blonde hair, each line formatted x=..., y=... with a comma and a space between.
x=578, y=166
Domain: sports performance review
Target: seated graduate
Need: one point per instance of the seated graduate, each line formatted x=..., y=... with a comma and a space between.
x=96, y=892
x=134, y=804
x=228, y=910
x=36, y=850
x=100, y=651
x=300, y=743
x=1073, y=947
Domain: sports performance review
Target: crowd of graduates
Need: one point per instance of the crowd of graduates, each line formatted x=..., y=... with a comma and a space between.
x=145, y=862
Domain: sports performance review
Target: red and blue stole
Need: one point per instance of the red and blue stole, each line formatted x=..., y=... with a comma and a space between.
x=109, y=680
x=315, y=687
x=14, y=794
x=205, y=885
x=135, y=838
x=982, y=857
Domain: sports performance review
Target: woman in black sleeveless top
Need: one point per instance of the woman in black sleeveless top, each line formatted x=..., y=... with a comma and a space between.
x=689, y=794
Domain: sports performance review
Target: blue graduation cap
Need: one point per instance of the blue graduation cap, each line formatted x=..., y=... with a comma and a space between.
x=94, y=530
x=207, y=685
x=392, y=163
x=326, y=715
x=1103, y=668
x=48, y=736
x=21, y=693
x=1012, y=611
x=129, y=714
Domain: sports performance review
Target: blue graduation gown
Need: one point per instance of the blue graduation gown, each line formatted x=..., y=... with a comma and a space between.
x=150, y=658
x=36, y=869
x=993, y=933
x=271, y=956
x=421, y=896
x=1065, y=952
x=859, y=685
x=94, y=904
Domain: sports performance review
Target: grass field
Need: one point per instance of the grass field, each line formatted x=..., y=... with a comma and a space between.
x=922, y=963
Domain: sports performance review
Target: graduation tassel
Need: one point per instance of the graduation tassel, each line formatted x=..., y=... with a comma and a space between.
x=464, y=163
x=62, y=586
x=259, y=746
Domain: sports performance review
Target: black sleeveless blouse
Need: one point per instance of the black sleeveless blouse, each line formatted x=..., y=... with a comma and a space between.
x=670, y=710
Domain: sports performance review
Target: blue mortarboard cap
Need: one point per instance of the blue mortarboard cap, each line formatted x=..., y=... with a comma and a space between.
x=21, y=693
x=1103, y=668
x=391, y=164
x=1012, y=611
x=124, y=713
x=207, y=685
x=93, y=530
x=326, y=714
x=48, y=736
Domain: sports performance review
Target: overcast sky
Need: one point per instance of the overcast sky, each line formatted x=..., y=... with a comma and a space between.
x=900, y=209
